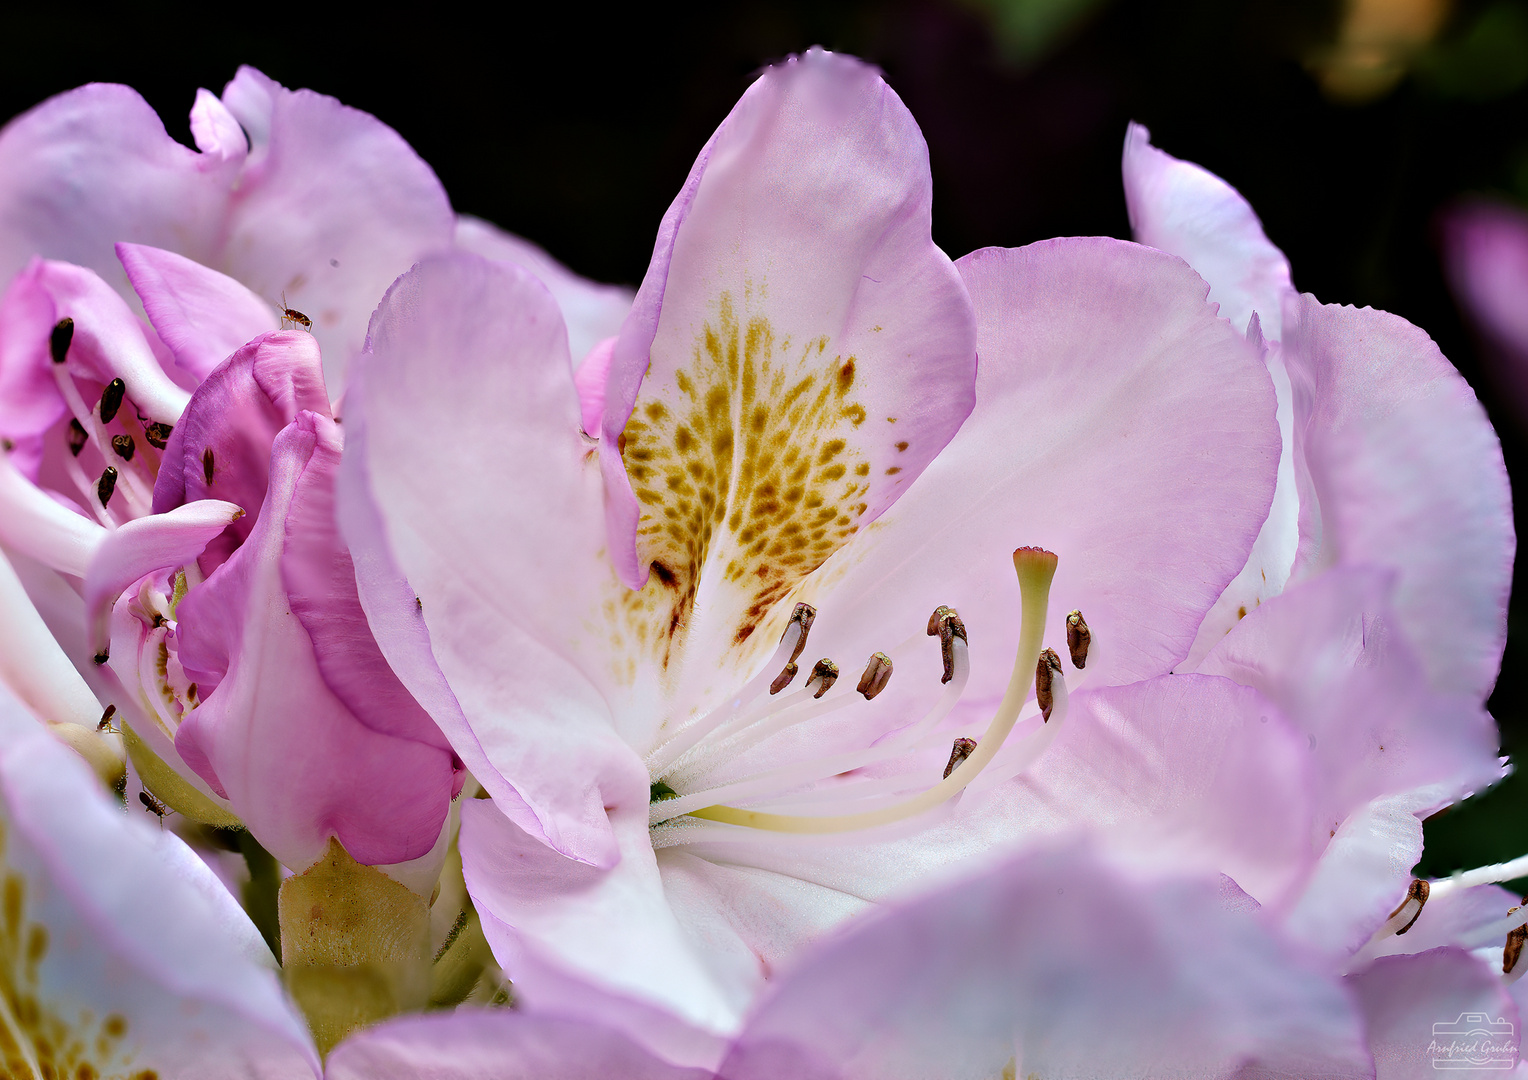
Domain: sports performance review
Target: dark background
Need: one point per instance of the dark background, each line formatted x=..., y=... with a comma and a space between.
x=576, y=129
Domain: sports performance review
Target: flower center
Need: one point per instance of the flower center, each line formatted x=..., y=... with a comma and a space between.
x=753, y=716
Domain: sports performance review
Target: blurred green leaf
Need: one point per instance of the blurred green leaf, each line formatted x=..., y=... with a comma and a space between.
x=1026, y=30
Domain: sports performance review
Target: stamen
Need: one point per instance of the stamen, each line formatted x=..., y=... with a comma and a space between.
x=60, y=339
x=782, y=680
x=803, y=615
x=1416, y=899
x=106, y=485
x=825, y=673
x=1035, y=568
x=946, y=623
x=111, y=400
x=157, y=434
x=958, y=753
x=1078, y=638
x=1046, y=670
x=1513, y=949
x=77, y=437
x=123, y=446
x=877, y=675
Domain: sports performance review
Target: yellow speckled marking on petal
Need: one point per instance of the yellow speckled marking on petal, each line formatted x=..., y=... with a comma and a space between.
x=35, y=1040
x=746, y=459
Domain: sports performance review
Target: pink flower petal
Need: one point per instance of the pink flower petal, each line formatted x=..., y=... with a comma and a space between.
x=140, y=547
x=221, y=449
x=33, y=666
x=1107, y=391
x=598, y=944
x=463, y=433
x=384, y=796
x=1330, y=654
x=38, y=525
x=1064, y=967
x=592, y=311
x=1400, y=467
x=331, y=207
x=798, y=338
x=202, y=315
x=30, y=401
x=589, y=381
x=216, y=130
x=145, y=960
x=1413, y=1006
x=496, y=1045
x=1192, y=213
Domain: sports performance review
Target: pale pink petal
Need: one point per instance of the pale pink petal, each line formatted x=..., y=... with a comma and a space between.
x=202, y=315
x=1406, y=472
x=797, y=354
x=109, y=342
x=42, y=527
x=30, y=401
x=599, y=944
x=216, y=130
x=296, y=765
x=146, y=962
x=589, y=381
x=592, y=311
x=1435, y=1013
x=1118, y=424
x=1187, y=210
x=1485, y=249
x=250, y=97
x=33, y=666
x=1331, y=654
x=1360, y=878
x=463, y=433
x=332, y=206
x=221, y=448
x=92, y=167
x=496, y=1045
x=140, y=547
x=1053, y=965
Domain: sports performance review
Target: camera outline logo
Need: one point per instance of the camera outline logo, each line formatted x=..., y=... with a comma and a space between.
x=1474, y=1041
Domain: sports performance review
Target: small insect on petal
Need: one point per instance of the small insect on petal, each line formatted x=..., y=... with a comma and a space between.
x=157, y=434
x=105, y=724
x=153, y=806
x=291, y=317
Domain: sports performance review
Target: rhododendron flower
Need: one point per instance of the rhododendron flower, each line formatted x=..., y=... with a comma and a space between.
x=779, y=428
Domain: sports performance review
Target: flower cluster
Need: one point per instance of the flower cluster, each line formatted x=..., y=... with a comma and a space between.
x=831, y=661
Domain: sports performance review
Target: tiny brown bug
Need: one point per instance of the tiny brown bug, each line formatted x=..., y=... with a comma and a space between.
x=105, y=725
x=153, y=806
x=291, y=317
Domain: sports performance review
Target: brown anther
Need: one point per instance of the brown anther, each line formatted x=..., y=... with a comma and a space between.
x=207, y=465
x=111, y=400
x=77, y=437
x=1078, y=638
x=958, y=753
x=59, y=339
x=1045, y=678
x=877, y=675
x=124, y=446
x=153, y=805
x=945, y=622
x=827, y=671
x=106, y=485
x=805, y=615
x=1417, y=891
x=105, y=724
x=782, y=680
x=157, y=434
x=1513, y=949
